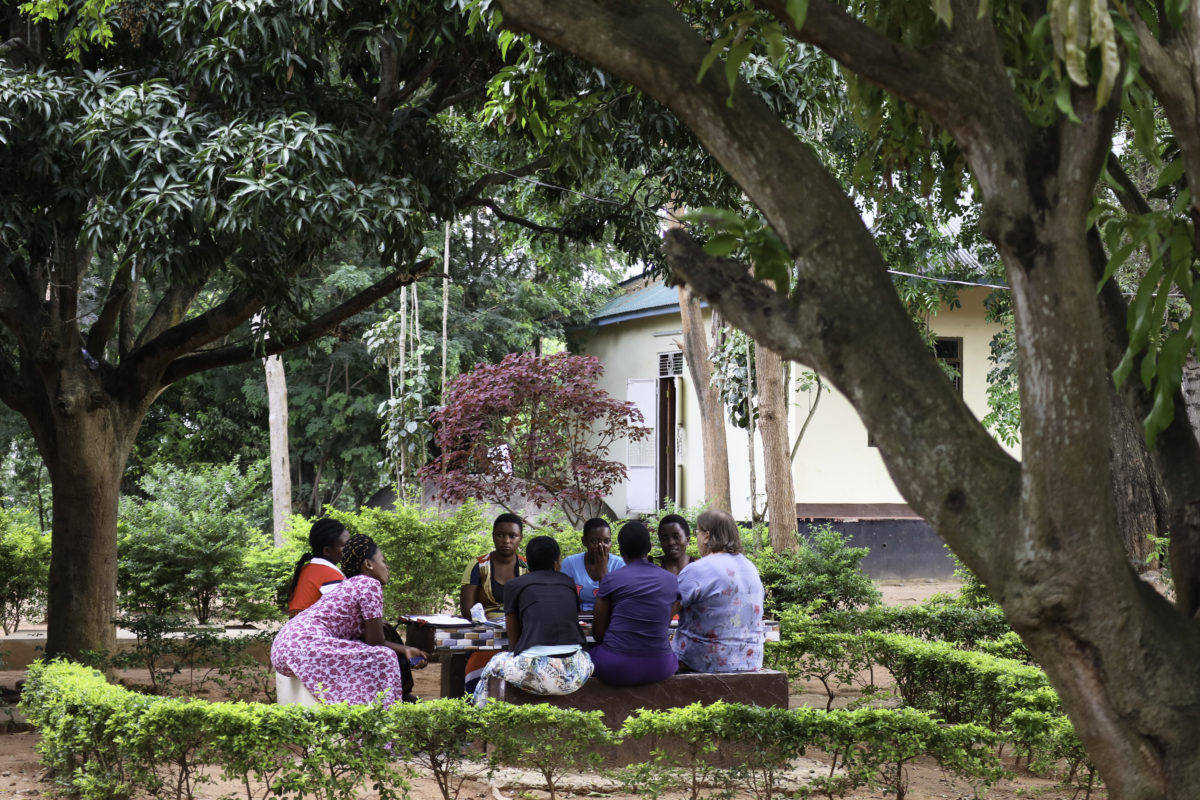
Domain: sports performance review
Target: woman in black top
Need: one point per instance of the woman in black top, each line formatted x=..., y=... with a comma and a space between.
x=541, y=614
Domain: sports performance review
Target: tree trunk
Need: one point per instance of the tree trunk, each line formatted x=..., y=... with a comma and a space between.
x=1137, y=489
x=85, y=449
x=712, y=416
x=1191, y=391
x=281, y=469
x=777, y=462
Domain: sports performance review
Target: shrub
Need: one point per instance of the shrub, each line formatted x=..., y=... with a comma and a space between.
x=806, y=651
x=957, y=685
x=822, y=569
x=959, y=624
x=438, y=735
x=544, y=738
x=186, y=541
x=425, y=552
x=24, y=566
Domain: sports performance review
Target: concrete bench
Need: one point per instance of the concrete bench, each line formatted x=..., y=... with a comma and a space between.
x=767, y=688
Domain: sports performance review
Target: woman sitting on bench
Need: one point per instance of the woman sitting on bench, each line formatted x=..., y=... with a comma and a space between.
x=633, y=616
x=336, y=646
x=541, y=613
x=721, y=603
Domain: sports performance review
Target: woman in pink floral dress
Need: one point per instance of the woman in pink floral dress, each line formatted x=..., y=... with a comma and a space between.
x=336, y=647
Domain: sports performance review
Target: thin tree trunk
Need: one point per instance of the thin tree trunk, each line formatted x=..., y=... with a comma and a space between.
x=777, y=461
x=755, y=516
x=281, y=470
x=445, y=307
x=712, y=417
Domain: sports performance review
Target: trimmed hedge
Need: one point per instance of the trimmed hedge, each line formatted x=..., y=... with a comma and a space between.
x=102, y=741
x=959, y=624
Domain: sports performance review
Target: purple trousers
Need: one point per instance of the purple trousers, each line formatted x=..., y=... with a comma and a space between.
x=624, y=669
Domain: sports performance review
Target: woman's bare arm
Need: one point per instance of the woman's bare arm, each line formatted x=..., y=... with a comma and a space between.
x=601, y=615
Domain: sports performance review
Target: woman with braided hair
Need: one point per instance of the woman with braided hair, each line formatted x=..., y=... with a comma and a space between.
x=316, y=571
x=337, y=647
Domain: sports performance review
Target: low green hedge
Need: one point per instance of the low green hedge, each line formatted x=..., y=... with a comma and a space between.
x=1006, y=695
x=102, y=741
x=954, y=623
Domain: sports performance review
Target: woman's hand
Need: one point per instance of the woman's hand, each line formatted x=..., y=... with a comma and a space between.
x=417, y=659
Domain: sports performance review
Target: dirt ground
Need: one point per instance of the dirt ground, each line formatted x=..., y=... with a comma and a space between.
x=22, y=776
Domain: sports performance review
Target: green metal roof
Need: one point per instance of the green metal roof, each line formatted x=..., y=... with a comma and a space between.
x=652, y=300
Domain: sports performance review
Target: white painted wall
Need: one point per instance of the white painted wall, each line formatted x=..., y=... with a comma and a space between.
x=834, y=463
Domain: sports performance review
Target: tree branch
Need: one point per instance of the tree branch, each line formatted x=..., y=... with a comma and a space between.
x=103, y=327
x=170, y=309
x=971, y=97
x=1127, y=192
x=225, y=356
x=500, y=213
x=500, y=178
x=970, y=485
x=152, y=359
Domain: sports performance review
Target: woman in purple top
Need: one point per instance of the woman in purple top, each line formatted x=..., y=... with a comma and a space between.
x=721, y=603
x=632, y=618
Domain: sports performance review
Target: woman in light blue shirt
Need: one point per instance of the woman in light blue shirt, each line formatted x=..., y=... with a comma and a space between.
x=721, y=603
x=596, y=561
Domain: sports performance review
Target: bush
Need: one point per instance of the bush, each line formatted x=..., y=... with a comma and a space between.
x=425, y=552
x=184, y=545
x=806, y=650
x=957, y=685
x=544, y=738
x=24, y=567
x=959, y=624
x=822, y=569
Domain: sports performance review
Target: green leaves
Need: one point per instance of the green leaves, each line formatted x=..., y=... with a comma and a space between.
x=748, y=237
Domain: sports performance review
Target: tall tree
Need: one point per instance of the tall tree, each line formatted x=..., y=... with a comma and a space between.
x=182, y=182
x=708, y=399
x=1032, y=118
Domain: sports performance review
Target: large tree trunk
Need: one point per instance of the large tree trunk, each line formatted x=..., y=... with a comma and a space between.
x=777, y=461
x=708, y=398
x=85, y=448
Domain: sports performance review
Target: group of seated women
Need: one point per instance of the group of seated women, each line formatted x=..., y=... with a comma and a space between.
x=718, y=597
x=337, y=644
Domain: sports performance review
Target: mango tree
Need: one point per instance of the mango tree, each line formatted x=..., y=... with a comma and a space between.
x=1027, y=98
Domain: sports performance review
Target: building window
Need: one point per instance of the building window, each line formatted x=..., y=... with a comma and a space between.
x=949, y=352
x=670, y=364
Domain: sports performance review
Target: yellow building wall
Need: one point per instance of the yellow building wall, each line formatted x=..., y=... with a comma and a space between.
x=834, y=464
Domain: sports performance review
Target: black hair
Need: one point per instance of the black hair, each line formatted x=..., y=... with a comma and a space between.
x=324, y=533
x=541, y=553
x=595, y=523
x=633, y=540
x=678, y=520
x=506, y=517
x=357, y=550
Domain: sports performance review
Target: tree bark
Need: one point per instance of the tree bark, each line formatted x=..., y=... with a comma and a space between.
x=1191, y=391
x=777, y=462
x=712, y=416
x=1138, y=492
